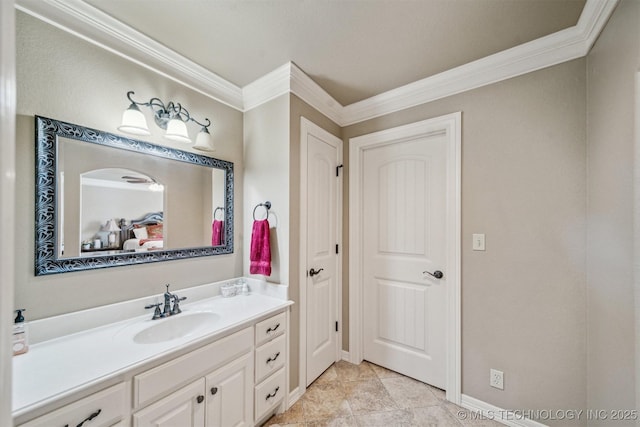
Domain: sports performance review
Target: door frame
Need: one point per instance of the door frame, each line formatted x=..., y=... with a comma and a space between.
x=449, y=125
x=7, y=198
x=307, y=126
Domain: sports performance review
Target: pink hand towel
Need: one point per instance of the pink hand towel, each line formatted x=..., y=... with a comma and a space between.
x=260, y=249
x=216, y=233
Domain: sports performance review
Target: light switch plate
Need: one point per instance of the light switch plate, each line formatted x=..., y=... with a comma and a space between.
x=478, y=242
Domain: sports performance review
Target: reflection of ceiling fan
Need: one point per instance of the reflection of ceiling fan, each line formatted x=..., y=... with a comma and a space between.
x=137, y=180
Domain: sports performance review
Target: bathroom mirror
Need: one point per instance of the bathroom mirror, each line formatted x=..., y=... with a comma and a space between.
x=103, y=200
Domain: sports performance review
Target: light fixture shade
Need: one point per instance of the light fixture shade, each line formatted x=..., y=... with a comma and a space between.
x=177, y=131
x=204, y=141
x=134, y=122
x=112, y=226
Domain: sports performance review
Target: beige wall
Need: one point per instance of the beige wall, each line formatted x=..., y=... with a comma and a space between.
x=266, y=178
x=611, y=68
x=62, y=77
x=523, y=184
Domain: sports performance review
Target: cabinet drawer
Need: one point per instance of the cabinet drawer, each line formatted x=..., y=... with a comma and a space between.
x=109, y=405
x=270, y=357
x=160, y=380
x=269, y=393
x=271, y=328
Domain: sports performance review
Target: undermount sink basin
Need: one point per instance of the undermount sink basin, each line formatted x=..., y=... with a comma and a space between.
x=178, y=326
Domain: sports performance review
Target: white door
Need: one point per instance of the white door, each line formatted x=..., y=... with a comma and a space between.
x=230, y=394
x=321, y=176
x=184, y=408
x=403, y=240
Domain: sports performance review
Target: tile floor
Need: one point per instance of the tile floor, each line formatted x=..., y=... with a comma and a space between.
x=348, y=395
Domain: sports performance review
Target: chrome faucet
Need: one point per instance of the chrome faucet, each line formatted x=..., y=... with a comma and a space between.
x=167, y=310
x=168, y=296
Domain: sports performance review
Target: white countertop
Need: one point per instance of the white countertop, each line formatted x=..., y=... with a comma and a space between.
x=58, y=367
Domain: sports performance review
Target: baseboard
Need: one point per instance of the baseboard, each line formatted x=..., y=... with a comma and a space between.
x=345, y=356
x=294, y=395
x=507, y=417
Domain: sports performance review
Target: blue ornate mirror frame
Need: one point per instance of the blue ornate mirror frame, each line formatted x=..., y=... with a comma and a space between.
x=47, y=261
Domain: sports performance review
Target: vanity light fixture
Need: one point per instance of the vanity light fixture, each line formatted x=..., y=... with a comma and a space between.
x=172, y=117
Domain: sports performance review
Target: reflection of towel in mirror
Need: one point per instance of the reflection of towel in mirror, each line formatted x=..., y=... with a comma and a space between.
x=260, y=250
x=216, y=233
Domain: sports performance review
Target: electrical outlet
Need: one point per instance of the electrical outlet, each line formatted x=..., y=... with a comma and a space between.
x=496, y=379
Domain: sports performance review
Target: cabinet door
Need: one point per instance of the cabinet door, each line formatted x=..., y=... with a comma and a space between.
x=230, y=394
x=184, y=408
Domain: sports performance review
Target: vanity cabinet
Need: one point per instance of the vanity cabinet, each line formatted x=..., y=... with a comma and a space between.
x=236, y=380
x=102, y=409
x=222, y=396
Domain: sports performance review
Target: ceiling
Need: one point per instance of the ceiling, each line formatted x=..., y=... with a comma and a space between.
x=354, y=49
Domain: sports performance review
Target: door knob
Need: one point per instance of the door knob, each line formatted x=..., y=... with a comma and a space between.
x=313, y=272
x=437, y=274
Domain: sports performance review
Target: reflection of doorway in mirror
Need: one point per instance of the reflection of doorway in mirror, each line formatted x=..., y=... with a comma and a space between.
x=61, y=216
x=111, y=195
x=217, y=208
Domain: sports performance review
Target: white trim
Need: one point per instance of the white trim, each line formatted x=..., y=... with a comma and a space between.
x=306, y=127
x=294, y=396
x=507, y=417
x=310, y=92
x=95, y=26
x=450, y=125
x=346, y=356
x=7, y=201
x=636, y=248
x=267, y=87
x=91, y=24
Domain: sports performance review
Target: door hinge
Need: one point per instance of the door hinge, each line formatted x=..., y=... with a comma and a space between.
x=336, y=326
x=337, y=249
x=338, y=169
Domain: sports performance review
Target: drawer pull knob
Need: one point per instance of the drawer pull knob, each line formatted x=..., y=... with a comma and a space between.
x=90, y=417
x=273, y=358
x=270, y=395
x=200, y=399
x=273, y=329
x=214, y=390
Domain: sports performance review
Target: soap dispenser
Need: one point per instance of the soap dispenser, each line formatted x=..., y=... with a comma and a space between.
x=20, y=334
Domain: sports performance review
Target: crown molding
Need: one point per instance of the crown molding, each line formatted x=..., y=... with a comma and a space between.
x=93, y=25
x=267, y=87
x=562, y=46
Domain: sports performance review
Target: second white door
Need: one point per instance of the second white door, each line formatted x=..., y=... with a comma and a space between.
x=404, y=256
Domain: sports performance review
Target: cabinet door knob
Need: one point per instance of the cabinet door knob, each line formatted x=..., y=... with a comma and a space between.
x=214, y=390
x=200, y=399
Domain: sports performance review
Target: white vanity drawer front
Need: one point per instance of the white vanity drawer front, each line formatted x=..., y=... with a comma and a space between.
x=109, y=404
x=269, y=393
x=271, y=328
x=270, y=357
x=165, y=378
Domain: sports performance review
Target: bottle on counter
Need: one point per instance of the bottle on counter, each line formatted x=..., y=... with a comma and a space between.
x=20, y=334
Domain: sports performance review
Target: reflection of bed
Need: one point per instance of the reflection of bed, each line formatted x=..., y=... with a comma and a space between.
x=142, y=244
x=145, y=233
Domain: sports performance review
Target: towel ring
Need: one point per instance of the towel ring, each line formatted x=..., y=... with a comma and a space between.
x=219, y=208
x=267, y=206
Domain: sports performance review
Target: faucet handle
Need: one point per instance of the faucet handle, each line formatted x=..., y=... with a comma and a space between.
x=176, y=304
x=157, y=313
